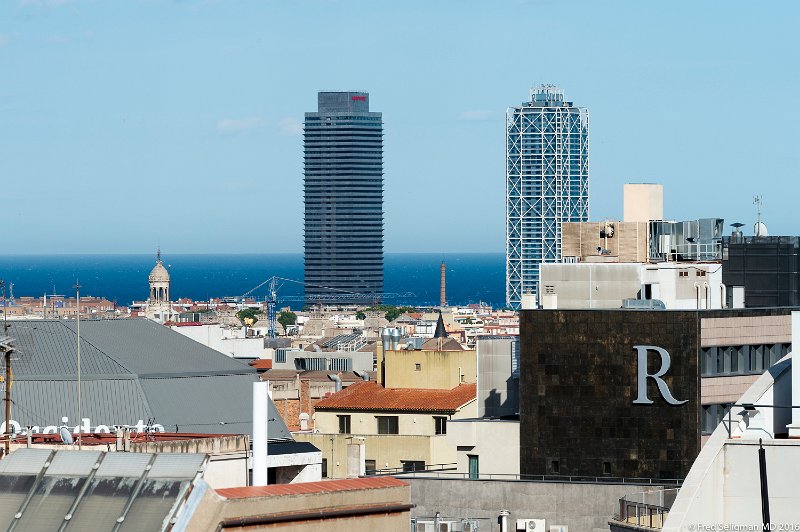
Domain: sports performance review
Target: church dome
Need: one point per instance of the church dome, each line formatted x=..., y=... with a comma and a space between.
x=159, y=273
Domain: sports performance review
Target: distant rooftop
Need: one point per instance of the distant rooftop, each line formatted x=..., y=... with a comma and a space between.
x=345, y=101
x=326, y=486
x=369, y=396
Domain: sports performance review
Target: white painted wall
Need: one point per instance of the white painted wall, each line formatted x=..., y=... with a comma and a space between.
x=494, y=441
x=681, y=286
x=225, y=340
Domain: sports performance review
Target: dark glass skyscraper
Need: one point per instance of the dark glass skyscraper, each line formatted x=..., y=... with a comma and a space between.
x=343, y=200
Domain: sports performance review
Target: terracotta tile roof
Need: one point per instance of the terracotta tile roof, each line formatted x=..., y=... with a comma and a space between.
x=325, y=486
x=442, y=344
x=372, y=397
x=262, y=363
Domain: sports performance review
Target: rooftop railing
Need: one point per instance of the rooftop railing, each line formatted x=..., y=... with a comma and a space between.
x=647, y=508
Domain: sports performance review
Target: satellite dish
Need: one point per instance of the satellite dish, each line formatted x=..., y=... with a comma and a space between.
x=66, y=436
x=759, y=229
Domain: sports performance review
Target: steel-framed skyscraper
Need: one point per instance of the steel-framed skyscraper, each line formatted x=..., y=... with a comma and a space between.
x=547, y=183
x=343, y=152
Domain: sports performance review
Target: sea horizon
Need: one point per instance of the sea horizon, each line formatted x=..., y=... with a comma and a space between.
x=472, y=277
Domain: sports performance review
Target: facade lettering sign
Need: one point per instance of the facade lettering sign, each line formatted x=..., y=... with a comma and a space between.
x=642, y=399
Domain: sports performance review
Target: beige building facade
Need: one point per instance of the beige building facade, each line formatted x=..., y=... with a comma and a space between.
x=432, y=369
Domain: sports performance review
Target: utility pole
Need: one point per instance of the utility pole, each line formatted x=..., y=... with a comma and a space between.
x=78, y=318
x=7, y=348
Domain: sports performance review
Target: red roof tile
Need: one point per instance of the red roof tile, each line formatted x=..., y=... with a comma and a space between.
x=370, y=396
x=262, y=363
x=325, y=486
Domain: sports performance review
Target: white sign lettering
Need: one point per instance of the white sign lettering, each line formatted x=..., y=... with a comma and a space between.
x=84, y=428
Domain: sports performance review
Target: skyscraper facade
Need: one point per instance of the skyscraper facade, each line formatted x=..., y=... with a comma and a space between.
x=547, y=183
x=343, y=152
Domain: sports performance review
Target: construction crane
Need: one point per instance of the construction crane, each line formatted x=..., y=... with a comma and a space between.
x=343, y=295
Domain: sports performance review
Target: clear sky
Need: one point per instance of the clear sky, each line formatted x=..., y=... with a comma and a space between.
x=129, y=124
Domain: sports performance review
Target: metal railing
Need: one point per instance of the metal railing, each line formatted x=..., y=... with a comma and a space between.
x=647, y=509
x=428, y=468
x=448, y=473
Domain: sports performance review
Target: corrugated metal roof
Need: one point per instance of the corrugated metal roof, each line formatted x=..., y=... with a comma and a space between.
x=108, y=402
x=131, y=370
x=222, y=404
x=112, y=347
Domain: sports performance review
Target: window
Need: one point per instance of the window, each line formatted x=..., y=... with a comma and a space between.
x=439, y=425
x=387, y=425
x=711, y=416
x=417, y=367
x=412, y=465
x=606, y=468
x=324, y=468
x=370, y=467
x=344, y=424
x=555, y=467
x=474, y=471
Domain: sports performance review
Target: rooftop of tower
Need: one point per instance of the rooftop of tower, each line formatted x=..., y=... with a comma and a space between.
x=343, y=101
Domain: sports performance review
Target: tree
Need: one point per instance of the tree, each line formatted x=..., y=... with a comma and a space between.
x=390, y=311
x=248, y=316
x=360, y=315
x=286, y=318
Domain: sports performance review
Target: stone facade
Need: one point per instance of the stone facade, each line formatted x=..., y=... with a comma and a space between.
x=577, y=387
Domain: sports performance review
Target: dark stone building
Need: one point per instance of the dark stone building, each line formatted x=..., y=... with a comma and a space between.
x=581, y=412
x=578, y=385
x=768, y=267
x=343, y=200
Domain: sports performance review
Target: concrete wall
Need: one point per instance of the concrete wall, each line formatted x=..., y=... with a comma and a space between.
x=498, y=392
x=206, y=509
x=589, y=286
x=438, y=369
x=387, y=450
x=581, y=507
x=730, y=492
x=494, y=441
x=681, y=286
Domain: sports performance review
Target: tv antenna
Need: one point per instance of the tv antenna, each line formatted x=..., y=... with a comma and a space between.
x=758, y=202
x=7, y=349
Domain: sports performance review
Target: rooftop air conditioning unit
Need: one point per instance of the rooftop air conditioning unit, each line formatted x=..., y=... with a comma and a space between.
x=530, y=525
x=469, y=525
x=424, y=527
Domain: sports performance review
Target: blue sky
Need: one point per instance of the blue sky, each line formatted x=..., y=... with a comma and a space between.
x=129, y=124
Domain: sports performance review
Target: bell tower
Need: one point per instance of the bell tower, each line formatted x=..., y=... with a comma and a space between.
x=159, y=283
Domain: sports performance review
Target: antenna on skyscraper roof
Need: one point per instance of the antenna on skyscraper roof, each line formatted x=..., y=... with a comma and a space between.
x=759, y=229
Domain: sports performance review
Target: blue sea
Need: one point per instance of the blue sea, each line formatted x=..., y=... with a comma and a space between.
x=471, y=277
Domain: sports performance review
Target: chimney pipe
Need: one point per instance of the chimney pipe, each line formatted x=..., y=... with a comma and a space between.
x=260, y=421
x=335, y=378
x=442, y=284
